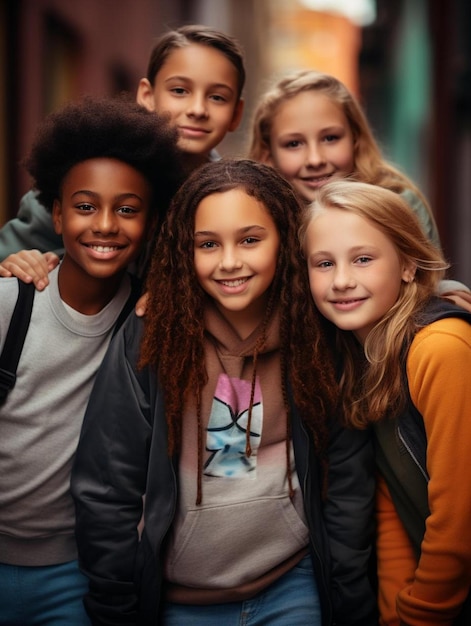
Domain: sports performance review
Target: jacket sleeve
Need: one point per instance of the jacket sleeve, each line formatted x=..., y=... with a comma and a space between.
x=396, y=558
x=31, y=228
x=108, y=481
x=349, y=520
x=438, y=367
x=424, y=215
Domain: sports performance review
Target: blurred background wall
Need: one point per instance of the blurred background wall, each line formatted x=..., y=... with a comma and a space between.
x=408, y=61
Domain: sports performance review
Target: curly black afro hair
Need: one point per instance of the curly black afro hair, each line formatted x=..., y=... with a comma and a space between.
x=115, y=128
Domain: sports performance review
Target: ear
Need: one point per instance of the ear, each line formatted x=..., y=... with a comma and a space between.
x=145, y=95
x=265, y=157
x=57, y=217
x=408, y=272
x=237, y=116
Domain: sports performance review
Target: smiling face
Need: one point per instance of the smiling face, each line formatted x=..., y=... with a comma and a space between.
x=198, y=86
x=311, y=142
x=102, y=217
x=355, y=272
x=236, y=246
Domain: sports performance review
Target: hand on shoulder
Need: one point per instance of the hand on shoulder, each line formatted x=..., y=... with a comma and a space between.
x=30, y=266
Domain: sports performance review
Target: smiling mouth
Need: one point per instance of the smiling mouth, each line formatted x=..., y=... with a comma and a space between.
x=351, y=302
x=233, y=283
x=103, y=248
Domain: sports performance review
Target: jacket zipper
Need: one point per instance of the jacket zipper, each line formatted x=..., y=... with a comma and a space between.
x=411, y=454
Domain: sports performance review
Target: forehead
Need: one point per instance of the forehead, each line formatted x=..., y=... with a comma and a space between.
x=200, y=63
x=309, y=108
x=231, y=209
x=102, y=174
x=344, y=229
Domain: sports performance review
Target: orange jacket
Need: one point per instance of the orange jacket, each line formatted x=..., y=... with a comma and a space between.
x=432, y=590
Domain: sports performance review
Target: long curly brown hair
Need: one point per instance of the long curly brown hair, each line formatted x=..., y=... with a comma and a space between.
x=173, y=341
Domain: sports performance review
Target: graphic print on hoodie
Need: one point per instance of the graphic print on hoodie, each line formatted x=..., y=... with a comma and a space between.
x=227, y=429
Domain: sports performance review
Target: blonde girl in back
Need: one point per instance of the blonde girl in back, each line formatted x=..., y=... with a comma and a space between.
x=312, y=130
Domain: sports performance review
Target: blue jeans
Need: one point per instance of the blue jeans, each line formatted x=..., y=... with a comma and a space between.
x=51, y=595
x=292, y=600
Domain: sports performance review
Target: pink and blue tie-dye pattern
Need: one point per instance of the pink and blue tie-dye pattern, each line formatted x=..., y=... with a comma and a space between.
x=227, y=429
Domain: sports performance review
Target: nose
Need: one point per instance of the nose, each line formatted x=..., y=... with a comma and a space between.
x=314, y=155
x=343, y=278
x=197, y=106
x=105, y=221
x=230, y=260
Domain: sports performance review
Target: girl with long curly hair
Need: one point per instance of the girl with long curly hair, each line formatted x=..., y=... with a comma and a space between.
x=407, y=358
x=221, y=409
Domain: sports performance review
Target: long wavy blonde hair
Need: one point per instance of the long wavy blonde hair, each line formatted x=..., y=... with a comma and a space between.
x=369, y=164
x=380, y=390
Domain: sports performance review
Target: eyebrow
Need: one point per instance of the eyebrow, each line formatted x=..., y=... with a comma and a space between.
x=241, y=231
x=93, y=194
x=364, y=248
x=190, y=80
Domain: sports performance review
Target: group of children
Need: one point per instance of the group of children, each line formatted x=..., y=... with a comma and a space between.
x=225, y=470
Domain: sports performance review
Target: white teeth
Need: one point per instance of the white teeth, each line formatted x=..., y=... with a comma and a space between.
x=234, y=283
x=104, y=248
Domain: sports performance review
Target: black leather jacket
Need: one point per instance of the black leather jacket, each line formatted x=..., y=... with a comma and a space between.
x=122, y=455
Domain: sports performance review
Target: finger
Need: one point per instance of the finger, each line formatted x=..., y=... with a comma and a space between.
x=4, y=273
x=141, y=305
x=461, y=298
x=51, y=259
x=12, y=269
x=28, y=265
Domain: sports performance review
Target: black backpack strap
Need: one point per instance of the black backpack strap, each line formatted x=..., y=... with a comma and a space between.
x=130, y=302
x=15, y=337
x=441, y=308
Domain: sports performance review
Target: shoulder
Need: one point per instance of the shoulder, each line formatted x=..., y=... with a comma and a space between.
x=8, y=296
x=127, y=341
x=441, y=351
x=424, y=214
x=32, y=210
x=443, y=335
